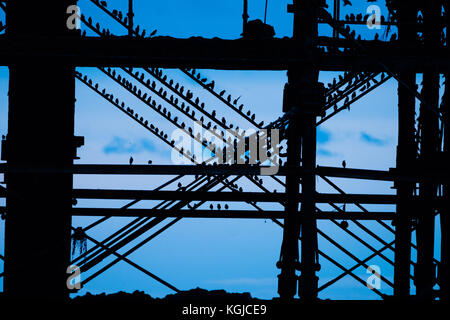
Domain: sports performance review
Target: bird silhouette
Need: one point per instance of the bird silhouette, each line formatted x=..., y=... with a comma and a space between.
x=347, y=3
x=344, y=164
x=226, y=207
x=131, y=160
x=211, y=85
x=211, y=207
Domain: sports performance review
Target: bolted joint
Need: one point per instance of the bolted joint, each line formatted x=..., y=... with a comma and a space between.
x=305, y=98
x=296, y=265
x=78, y=142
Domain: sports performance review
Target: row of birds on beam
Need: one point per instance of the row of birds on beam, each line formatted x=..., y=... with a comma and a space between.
x=359, y=18
x=134, y=115
x=229, y=100
x=182, y=107
x=161, y=92
x=107, y=33
x=353, y=82
x=351, y=34
x=124, y=19
x=189, y=95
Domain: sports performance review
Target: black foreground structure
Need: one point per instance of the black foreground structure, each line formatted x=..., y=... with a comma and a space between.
x=39, y=169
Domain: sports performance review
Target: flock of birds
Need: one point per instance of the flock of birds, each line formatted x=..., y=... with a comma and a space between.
x=227, y=99
x=120, y=17
x=188, y=96
x=352, y=82
x=333, y=93
x=140, y=119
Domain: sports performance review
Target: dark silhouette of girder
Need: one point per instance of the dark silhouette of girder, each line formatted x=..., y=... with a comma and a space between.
x=51, y=51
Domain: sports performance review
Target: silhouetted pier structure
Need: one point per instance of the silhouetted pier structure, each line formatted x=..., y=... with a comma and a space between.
x=40, y=148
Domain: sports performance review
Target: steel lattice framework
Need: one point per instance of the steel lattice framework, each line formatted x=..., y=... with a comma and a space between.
x=137, y=63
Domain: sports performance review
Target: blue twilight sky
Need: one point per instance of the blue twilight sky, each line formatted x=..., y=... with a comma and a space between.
x=238, y=256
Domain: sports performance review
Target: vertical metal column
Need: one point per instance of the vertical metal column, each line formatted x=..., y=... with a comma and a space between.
x=245, y=18
x=430, y=146
x=444, y=268
x=303, y=99
x=406, y=154
x=336, y=14
x=40, y=133
x=289, y=259
x=130, y=18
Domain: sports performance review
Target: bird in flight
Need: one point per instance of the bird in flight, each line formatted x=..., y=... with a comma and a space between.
x=347, y=3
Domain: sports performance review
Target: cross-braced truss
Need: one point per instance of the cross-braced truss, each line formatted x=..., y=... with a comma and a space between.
x=384, y=234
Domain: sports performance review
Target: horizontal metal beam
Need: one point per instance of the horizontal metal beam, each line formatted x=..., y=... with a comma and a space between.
x=431, y=175
x=141, y=169
x=229, y=196
x=197, y=52
x=232, y=196
x=251, y=197
x=177, y=195
x=225, y=214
